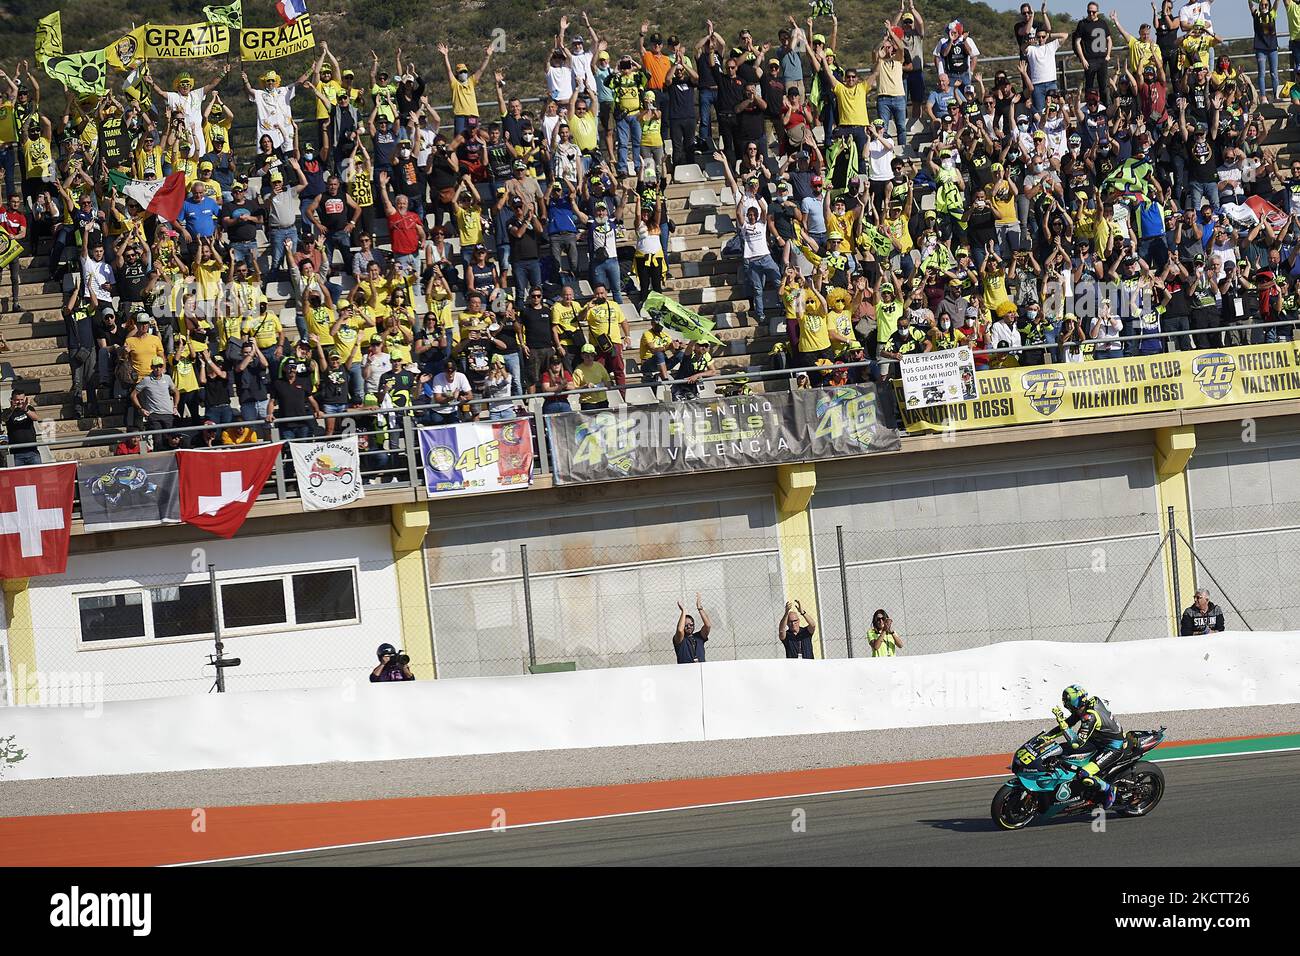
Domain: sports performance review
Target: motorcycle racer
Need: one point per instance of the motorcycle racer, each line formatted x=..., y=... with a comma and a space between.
x=1091, y=728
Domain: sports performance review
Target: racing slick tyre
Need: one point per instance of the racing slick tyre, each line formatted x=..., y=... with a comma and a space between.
x=1014, y=808
x=1142, y=786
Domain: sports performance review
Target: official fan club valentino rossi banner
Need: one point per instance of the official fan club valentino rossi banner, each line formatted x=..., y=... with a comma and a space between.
x=1151, y=383
x=718, y=433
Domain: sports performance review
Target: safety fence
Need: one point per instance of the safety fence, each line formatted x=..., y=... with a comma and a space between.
x=545, y=604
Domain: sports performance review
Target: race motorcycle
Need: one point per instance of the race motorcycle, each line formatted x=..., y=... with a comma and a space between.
x=1058, y=790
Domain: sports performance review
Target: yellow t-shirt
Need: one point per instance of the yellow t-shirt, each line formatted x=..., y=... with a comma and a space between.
x=1140, y=54
x=440, y=317
x=844, y=226
x=472, y=321
x=376, y=294
x=330, y=90
x=897, y=230
x=347, y=334
x=469, y=225
x=814, y=332
x=8, y=123
x=606, y=319
x=37, y=157
x=142, y=349
x=148, y=160
x=224, y=124
x=842, y=323
x=1196, y=51
x=592, y=376
x=583, y=128
x=852, y=104
x=565, y=318
x=245, y=297
x=265, y=329
x=385, y=107
x=652, y=130
x=651, y=342
x=463, y=100
x=319, y=321
x=207, y=278
x=228, y=327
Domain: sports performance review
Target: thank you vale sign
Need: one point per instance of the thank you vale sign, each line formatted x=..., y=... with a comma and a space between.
x=272, y=43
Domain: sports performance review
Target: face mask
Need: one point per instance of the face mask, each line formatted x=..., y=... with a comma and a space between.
x=945, y=325
x=462, y=76
x=528, y=137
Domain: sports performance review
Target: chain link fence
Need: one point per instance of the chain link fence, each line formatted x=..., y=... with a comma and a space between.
x=513, y=608
x=506, y=610
x=946, y=589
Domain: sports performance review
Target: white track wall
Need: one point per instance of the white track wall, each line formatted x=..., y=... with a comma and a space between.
x=332, y=655
x=644, y=705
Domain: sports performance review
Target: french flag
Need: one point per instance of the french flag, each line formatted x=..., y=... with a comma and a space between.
x=291, y=10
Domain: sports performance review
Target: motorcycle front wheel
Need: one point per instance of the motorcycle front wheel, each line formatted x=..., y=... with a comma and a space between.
x=1144, y=785
x=1014, y=808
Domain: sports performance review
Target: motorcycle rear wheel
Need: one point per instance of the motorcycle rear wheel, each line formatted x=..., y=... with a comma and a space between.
x=1014, y=808
x=1146, y=782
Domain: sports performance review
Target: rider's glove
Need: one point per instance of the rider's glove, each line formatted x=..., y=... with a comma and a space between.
x=1060, y=717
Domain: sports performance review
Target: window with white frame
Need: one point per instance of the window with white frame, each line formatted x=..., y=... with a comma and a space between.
x=183, y=612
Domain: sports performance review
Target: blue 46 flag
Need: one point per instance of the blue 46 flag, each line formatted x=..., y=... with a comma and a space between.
x=477, y=457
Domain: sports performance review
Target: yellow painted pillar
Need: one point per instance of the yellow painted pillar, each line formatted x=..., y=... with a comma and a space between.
x=1173, y=449
x=795, y=485
x=410, y=525
x=22, y=641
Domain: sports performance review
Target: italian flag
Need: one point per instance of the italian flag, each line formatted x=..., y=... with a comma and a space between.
x=161, y=197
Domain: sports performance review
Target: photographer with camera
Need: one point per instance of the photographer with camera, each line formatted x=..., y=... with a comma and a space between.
x=393, y=665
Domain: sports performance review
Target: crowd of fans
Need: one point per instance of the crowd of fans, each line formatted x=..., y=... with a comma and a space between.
x=1068, y=219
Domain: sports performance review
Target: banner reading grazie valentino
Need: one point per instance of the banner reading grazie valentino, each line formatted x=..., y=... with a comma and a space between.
x=271, y=43
x=717, y=433
x=1149, y=383
x=189, y=42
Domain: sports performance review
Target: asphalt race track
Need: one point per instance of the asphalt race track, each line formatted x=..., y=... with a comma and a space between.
x=1217, y=811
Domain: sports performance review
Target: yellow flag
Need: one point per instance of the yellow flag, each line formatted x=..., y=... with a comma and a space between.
x=275, y=42
x=49, y=37
x=10, y=249
x=126, y=52
x=188, y=42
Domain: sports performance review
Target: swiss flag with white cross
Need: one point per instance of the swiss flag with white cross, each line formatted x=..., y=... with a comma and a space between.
x=219, y=487
x=36, y=519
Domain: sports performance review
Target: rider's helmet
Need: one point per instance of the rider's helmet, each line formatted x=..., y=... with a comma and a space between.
x=1074, y=698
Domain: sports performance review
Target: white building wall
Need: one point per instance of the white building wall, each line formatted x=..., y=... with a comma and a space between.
x=320, y=655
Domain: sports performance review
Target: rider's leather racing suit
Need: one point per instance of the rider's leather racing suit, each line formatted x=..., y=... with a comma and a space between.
x=1093, y=729
x=1098, y=732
